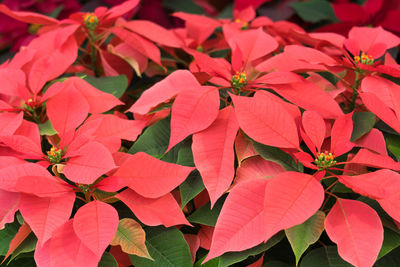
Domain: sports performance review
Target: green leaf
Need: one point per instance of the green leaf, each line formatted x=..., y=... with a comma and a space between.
x=362, y=124
x=47, y=128
x=275, y=263
x=185, y=155
x=6, y=235
x=154, y=140
x=28, y=245
x=231, y=258
x=107, y=260
x=187, y=6
x=324, y=256
x=393, y=144
x=391, y=241
x=167, y=247
x=115, y=85
x=211, y=263
x=314, y=10
x=131, y=237
x=303, y=235
x=390, y=260
x=24, y=260
x=276, y=155
x=191, y=187
x=205, y=215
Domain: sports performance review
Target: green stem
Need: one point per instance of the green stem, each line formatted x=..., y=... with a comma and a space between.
x=93, y=57
x=355, y=92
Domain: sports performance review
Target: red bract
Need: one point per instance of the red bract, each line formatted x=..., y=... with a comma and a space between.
x=259, y=127
x=372, y=12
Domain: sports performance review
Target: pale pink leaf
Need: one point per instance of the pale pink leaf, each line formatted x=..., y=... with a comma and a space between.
x=267, y=123
x=341, y=134
x=45, y=215
x=154, y=32
x=154, y=211
x=213, y=153
x=241, y=223
x=357, y=230
x=164, y=90
x=89, y=163
x=257, y=168
x=96, y=224
x=314, y=127
x=290, y=199
x=67, y=110
x=151, y=177
x=193, y=110
x=8, y=206
x=65, y=249
x=371, y=159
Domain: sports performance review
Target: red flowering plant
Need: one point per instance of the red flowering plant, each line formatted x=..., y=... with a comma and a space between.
x=263, y=145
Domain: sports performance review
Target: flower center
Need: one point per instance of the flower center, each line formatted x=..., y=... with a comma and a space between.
x=244, y=24
x=54, y=155
x=364, y=59
x=325, y=160
x=34, y=28
x=91, y=21
x=239, y=80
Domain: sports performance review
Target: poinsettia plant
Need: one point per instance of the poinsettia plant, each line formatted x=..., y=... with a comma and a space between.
x=240, y=140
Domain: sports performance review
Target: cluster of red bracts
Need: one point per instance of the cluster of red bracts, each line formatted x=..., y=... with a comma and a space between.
x=227, y=107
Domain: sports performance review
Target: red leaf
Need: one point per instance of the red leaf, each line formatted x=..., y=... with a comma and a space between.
x=12, y=80
x=8, y=206
x=290, y=199
x=151, y=177
x=194, y=244
x=309, y=96
x=98, y=101
x=28, y=17
x=243, y=147
x=357, y=231
x=113, y=126
x=43, y=186
x=164, y=90
x=381, y=184
x=314, y=127
x=373, y=140
x=205, y=234
x=193, y=110
x=9, y=123
x=368, y=158
x=241, y=223
x=88, y=163
x=22, y=233
x=154, y=32
x=266, y=122
x=45, y=215
x=39, y=74
x=66, y=111
x=253, y=44
x=23, y=145
x=154, y=211
x=198, y=27
x=139, y=43
x=65, y=249
x=257, y=168
x=381, y=110
x=9, y=175
x=121, y=9
x=213, y=153
x=96, y=224
x=341, y=134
